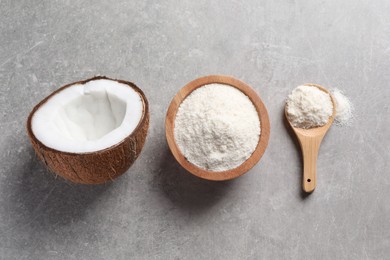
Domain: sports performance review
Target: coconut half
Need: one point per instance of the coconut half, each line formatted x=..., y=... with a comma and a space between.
x=90, y=131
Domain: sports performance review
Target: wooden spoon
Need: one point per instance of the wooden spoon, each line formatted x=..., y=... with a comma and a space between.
x=310, y=141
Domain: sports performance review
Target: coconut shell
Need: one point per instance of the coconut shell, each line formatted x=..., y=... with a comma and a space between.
x=93, y=167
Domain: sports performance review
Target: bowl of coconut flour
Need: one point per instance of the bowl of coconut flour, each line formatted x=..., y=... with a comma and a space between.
x=217, y=127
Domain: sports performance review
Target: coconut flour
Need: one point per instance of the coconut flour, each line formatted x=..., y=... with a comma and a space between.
x=217, y=127
x=308, y=107
x=344, y=108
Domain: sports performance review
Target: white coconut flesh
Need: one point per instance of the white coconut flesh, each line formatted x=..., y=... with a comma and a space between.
x=88, y=117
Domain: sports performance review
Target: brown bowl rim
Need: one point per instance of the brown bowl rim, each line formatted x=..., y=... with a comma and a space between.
x=264, y=125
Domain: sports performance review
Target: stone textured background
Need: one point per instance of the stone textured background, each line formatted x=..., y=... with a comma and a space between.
x=157, y=210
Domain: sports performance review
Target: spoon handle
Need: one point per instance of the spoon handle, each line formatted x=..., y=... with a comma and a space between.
x=310, y=146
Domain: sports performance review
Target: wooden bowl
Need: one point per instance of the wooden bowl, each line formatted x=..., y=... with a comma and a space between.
x=264, y=125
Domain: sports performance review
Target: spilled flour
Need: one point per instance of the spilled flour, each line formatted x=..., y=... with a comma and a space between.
x=344, y=108
x=217, y=127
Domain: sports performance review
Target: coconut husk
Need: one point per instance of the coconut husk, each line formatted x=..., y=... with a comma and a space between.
x=93, y=167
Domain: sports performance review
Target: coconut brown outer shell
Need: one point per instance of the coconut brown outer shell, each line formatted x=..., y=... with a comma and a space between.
x=95, y=167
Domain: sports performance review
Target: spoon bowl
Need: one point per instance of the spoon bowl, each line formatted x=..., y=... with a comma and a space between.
x=310, y=141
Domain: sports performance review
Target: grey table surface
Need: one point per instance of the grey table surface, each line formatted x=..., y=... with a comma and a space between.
x=159, y=211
